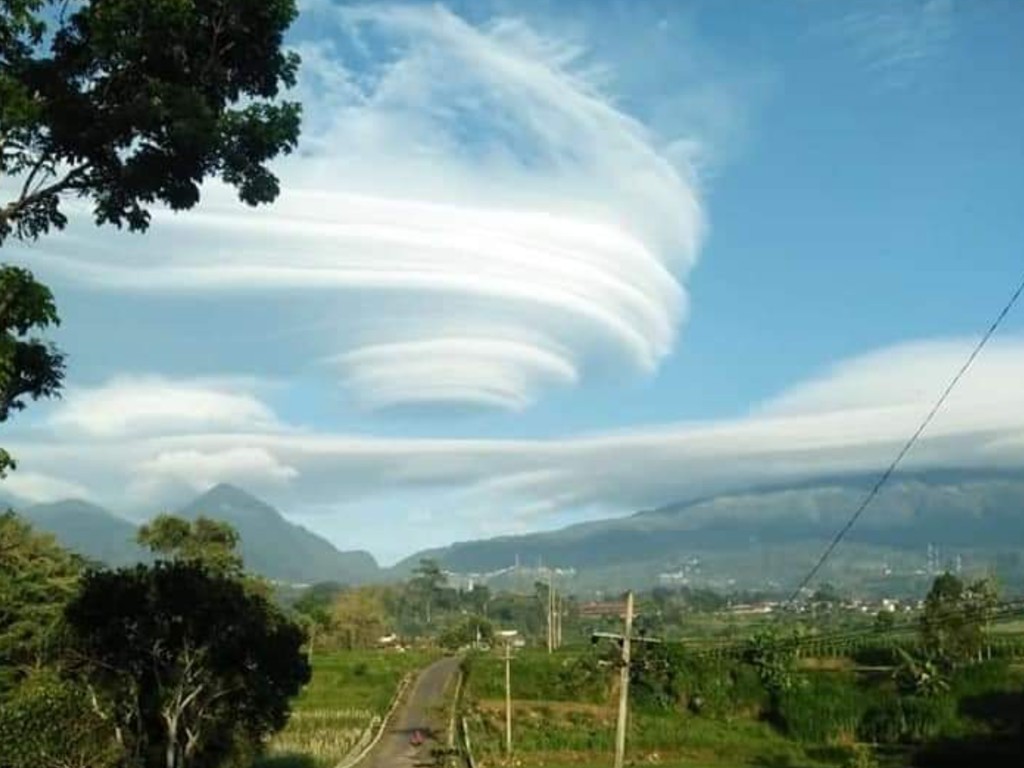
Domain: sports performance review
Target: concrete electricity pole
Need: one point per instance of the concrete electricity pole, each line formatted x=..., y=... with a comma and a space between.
x=620, y=726
x=508, y=698
x=561, y=618
x=508, y=635
x=551, y=611
x=625, y=642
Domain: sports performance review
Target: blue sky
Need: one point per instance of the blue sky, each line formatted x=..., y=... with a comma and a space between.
x=541, y=262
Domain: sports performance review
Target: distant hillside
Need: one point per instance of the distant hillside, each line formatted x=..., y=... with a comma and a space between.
x=772, y=534
x=89, y=530
x=276, y=548
x=271, y=546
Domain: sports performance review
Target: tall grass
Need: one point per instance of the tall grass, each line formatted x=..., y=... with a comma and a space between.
x=349, y=691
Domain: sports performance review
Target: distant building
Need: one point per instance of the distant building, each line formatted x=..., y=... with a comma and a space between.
x=751, y=609
x=605, y=609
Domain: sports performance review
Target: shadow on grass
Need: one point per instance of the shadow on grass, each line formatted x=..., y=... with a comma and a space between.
x=1000, y=742
x=290, y=760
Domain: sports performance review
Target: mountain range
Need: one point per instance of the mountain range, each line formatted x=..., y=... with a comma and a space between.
x=758, y=538
x=270, y=545
x=769, y=537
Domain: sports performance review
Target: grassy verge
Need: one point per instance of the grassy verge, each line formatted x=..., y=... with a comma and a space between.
x=347, y=691
x=553, y=734
x=563, y=717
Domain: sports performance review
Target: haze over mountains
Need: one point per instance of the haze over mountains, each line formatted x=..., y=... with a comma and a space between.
x=753, y=538
x=271, y=545
x=756, y=538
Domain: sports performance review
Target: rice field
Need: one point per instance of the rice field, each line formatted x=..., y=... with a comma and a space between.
x=349, y=692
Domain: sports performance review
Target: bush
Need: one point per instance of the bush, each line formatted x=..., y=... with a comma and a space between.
x=725, y=687
x=824, y=708
x=908, y=720
x=47, y=721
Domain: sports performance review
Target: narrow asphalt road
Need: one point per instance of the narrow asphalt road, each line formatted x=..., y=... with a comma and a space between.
x=417, y=712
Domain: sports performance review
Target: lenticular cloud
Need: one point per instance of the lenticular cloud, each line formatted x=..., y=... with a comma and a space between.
x=504, y=226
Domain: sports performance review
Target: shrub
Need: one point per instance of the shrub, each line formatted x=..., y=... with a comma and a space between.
x=908, y=720
x=47, y=721
x=825, y=708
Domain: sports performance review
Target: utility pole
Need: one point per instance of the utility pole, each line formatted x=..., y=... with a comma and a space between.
x=507, y=636
x=625, y=642
x=551, y=612
x=620, y=727
x=508, y=697
x=558, y=620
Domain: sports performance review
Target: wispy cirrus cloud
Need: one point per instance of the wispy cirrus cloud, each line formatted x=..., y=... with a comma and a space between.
x=505, y=226
x=895, y=38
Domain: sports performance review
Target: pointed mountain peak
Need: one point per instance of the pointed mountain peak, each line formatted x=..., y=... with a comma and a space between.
x=229, y=502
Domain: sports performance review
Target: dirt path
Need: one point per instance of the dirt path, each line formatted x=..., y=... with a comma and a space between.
x=395, y=750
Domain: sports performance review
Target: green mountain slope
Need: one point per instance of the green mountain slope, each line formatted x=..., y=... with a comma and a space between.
x=276, y=548
x=271, y=546
x=772, y=534
x=89, y=530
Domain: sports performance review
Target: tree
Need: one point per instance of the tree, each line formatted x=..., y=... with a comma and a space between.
x=314, y=611
x=919, y=677
x=29, y=367
x=359, y=617
x=884, y=621
x=983, y=600
x=37, y=579
x=48, y=723
x=427, y=582
x=773, y=654
x=205, y=542
x=133, y=102
x=827, y=594
x=189, y=661
x=127, y=103
x=951, y=624
x=466, y=631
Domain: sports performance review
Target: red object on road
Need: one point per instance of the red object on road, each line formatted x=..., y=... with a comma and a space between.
x=417, y=738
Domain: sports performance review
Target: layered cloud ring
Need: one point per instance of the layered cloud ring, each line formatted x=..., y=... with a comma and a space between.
x=505, y=227
x=110, y=444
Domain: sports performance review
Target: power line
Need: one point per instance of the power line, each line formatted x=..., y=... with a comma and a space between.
x=841, y=533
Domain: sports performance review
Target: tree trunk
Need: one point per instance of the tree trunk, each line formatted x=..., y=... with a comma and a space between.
x=171, y=752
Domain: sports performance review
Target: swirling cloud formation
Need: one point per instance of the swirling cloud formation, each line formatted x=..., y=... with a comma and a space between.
x=500, y=224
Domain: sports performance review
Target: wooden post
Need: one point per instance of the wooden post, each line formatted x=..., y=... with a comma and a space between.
x=551, y=612
x=508, y=698
x=620, y=728
x=558, y=621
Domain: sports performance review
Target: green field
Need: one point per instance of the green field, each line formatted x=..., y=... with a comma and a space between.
x=348, y=690
x=834, y=715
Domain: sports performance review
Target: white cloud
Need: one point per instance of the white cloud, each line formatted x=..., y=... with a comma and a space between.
x=853, y=418
x=170, y=470
x=505, y=227
x=895, y=37
x=133, y=406
x=38, y=487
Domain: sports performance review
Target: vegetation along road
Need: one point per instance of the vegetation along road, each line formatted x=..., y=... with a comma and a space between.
x=418, y=712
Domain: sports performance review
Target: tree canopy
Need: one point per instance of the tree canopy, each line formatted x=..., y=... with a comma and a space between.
x=37, y=578
x=205, y=542
x=30, y=368
x=190, y=660
x=954, y=618
x=427, y=582
x=128, y=103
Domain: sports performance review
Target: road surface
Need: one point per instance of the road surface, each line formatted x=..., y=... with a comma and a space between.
x=417, y=712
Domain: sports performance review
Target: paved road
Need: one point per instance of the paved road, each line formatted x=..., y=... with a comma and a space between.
x=394, y=750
